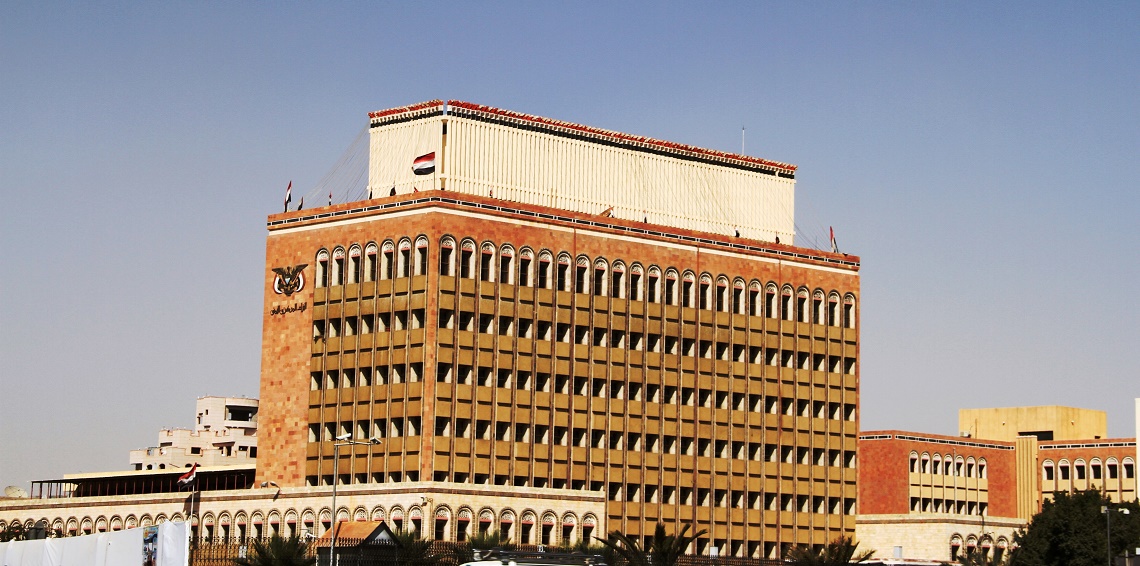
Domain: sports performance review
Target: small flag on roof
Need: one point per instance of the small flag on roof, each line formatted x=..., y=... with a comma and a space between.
x=189, y=477
x=834, y=246
x=288, y=195
x=424, y=164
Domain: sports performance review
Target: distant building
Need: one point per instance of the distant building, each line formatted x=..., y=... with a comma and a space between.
x=932, y=497
x=224, y=433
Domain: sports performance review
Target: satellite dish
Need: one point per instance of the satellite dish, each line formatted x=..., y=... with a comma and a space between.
x=15, y=492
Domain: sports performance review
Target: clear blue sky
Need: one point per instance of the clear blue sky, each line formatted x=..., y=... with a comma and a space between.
x=981, y=158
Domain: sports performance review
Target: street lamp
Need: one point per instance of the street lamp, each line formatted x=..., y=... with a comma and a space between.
x=344, y=440
x=1106, y=511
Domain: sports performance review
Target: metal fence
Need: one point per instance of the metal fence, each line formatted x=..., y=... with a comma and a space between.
x=356, y=552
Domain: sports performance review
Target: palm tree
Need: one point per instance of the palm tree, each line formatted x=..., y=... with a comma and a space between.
x=415, y=551
x=838, y=552
x=465, y=552
x=662, y=550
x=278, y=551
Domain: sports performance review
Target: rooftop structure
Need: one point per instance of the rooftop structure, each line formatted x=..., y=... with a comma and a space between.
x=482, y=150
x=225, y=432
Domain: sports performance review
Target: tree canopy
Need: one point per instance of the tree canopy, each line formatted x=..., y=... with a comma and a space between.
x=1070, y=530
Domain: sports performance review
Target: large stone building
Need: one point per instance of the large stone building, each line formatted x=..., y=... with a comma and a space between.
x=932, y=497
x=554, y=330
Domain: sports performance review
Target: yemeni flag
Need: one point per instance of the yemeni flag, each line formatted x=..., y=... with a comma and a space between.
x=424, y=164
x=834, y=246
x=288, y=195
x=188, y=478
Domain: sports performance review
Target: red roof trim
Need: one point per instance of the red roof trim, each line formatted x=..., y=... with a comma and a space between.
x=680, y=147
x=402, y=109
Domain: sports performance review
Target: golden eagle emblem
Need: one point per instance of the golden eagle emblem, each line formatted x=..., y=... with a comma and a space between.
x=289, y=280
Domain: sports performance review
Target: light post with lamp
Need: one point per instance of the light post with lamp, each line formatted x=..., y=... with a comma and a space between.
x=1107, y=512
x=342, y=440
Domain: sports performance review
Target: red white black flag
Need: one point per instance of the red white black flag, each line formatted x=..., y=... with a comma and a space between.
x=188, y=478
x=834, y=246
x=424, y=164
x=288, y=195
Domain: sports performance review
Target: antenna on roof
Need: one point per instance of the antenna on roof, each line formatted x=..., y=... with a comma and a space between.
x=742, y=140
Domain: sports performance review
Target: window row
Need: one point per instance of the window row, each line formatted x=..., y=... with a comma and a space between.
x=372, y=262
x=600, y=277
x=1093, y=470
x=952, y=506
x=368, y=324
x=947, y=465
x=590, y=387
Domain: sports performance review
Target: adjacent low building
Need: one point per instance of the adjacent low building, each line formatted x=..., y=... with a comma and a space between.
x=933, y=497
x=224, y=433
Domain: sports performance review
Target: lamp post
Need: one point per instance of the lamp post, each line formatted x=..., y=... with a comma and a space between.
x=343, y=440
x=1107, y=512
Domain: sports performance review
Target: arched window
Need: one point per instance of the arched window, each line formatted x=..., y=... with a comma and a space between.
x=405, y=258
x=544, y=278
x=1096, y=470
x=1080, y=470
x=338, y=266
x=506, y=264
x=721, y=294
x=849, y=311
x=1129, y=468
x=526, y=263
x=447, y=256
x=914, y=462
x=388, y=260
x=467, y=259
x=970, y=467
x=803, y=313
x=771, y=307
x=322, y=268
x=1063, y=470
x=486, y=262
x=754, y=304
x=705, y=297
x=671, y=283
x=636, y=279
x=601, y=275
x=581, y=278
x=354, y=264
x=818, y=313
x=982, y=468
x=688, y=280
x=833, y=309
x=564, y=281
x=1112, y=469
x=738, y=302
x=936, y=464
x=617, y=280
x=787, y=305
x=370, y=261
x=653, y=285
x=925, y=468
x=1047, y=471
x=421, y=256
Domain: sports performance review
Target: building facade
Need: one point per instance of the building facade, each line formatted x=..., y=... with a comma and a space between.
x=685, y=376
x=225, y=432
x=549, y=329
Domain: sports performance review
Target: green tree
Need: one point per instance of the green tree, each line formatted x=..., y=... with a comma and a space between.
x=838, y=552
x=662, y=550
x=277, y=551
x=1070, y=531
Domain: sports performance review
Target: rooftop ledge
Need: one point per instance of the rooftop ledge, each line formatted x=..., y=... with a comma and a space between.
x=455, y=200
